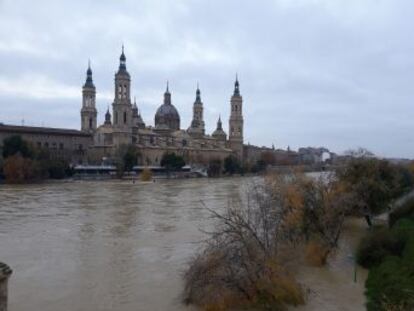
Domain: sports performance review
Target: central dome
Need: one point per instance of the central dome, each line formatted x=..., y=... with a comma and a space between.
x=167, y=117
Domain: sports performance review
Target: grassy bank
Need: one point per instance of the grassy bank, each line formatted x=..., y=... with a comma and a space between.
x=388, y=253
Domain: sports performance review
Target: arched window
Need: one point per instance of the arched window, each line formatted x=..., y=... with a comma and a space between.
x=116, y=117
x=90, y=123
x=125, y=117
x=119, y=91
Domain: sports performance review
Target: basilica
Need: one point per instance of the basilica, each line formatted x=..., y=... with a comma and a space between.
x=125, y=126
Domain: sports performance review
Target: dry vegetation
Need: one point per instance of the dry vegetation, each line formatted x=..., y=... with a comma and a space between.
x=251, y=255
x=146, y=175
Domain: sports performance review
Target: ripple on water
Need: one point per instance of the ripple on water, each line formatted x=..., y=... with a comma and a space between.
x=120, y=246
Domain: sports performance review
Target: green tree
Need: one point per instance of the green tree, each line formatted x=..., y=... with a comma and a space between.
x=125, y=158
x=231, y=165
x=130, y=158
x=373, y=184
x=172, y=162
x=16, y=145
x=24, y=163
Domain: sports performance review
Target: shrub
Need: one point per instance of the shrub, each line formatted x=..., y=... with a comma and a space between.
x=316, y=254
x=16, y=145
x=146, y=174
x=57, y=169
x=390, y=285
x=249, y=256
x=242, y=263
x=20, y=170
x=211, y=286
x=408, y=254
x=377, y=245
x=403, y=229
x=405, y=210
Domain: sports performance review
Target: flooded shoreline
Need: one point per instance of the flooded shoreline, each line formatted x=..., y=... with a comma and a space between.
x=115, y=245
x=340, y=285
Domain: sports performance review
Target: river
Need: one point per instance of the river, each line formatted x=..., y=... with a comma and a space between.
x=115, y=245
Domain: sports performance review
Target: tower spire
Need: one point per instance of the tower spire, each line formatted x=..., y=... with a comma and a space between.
x=236, y=86
x=198, y=93
x=89, y=80
x=122, y=60
x=219, y=125
x=88, y=110
x=167, y=95
x=236, y=121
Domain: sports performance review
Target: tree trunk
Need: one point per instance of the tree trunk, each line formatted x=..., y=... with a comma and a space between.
x=369, y=221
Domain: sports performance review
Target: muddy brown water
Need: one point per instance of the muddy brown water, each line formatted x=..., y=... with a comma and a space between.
x=120, y=246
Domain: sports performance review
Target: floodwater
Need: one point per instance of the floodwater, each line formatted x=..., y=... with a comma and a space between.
x=115, y=245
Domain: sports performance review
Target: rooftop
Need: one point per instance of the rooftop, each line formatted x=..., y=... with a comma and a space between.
x=41, y=130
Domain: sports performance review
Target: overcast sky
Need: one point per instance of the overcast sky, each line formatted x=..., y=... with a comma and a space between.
x=333, y=73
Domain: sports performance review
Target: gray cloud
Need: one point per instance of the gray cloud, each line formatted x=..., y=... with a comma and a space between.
x=313, y=72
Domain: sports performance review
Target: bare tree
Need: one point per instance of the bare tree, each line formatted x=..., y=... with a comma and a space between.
x=249, y=254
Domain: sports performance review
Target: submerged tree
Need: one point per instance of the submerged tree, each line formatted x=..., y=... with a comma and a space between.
x=250, y=256
x=146, y=174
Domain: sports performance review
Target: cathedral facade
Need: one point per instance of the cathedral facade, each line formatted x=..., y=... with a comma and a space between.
x=125, y=126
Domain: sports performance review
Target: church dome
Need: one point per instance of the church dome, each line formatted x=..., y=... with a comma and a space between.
x=167, y=116
x=219, y=133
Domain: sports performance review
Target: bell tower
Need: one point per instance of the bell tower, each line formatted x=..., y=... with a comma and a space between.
x=122, y=106
x=197, y=124
x=88, y=111
x=236, y=122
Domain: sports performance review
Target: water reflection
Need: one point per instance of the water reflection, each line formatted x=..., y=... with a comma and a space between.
x=103, y=245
